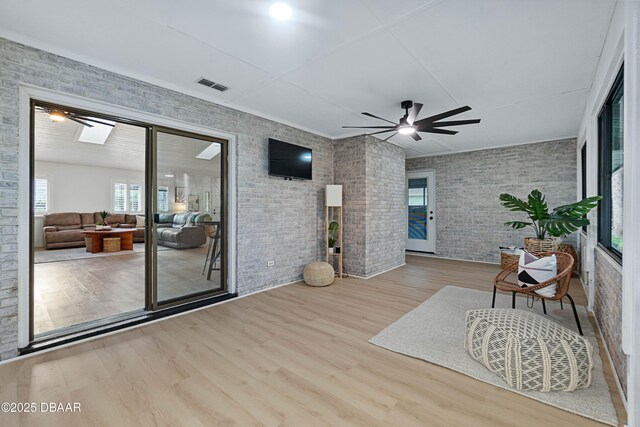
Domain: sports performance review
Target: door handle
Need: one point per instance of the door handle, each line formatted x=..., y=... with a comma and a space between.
x=430, y=217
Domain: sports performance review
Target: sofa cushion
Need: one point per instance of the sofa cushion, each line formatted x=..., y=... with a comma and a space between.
x=181, y=219
x=115, y=219
x=140, y=221
x=166, y=218
x=63, y=218
x=88, y=218
x=65, y=236
x=69, y=227
x=130, y=219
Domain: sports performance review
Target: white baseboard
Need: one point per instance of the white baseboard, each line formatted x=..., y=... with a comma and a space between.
x=449, y=258
x=611, y=365
x=379, y=273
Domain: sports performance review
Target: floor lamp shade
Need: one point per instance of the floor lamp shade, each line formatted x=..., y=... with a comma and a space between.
x=334, y=195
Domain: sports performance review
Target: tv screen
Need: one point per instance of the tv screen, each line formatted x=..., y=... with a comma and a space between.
x=288, y=160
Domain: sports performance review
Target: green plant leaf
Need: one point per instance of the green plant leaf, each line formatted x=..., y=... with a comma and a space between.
x=516, y=225
x=577, y=209
x=514, y=204
x=559, y=226
x=538, y=206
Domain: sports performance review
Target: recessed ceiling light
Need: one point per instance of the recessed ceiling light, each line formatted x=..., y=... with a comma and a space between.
x=280, y=11
x=168, y=175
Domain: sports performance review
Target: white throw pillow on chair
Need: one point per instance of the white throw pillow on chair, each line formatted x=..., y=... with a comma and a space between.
x=533, y=270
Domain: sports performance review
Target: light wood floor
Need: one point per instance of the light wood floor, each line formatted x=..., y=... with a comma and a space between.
x=291, y=356
x=75, y=291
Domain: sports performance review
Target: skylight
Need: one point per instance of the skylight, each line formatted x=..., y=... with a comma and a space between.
x=97, y=134
x=210, y=152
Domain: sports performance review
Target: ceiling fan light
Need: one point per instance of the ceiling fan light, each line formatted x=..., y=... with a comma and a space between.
x=406, y=130
x=57, y=116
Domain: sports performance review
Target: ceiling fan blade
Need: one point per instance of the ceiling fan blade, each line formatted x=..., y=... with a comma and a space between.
x=415, y=136
x=89, y=119
x=456, y=123
x=379, y=118
x=442, y=131
x=414, y=112
x=368, y=127
x=82, y=122
x=389, y=137
x=443, y=115
x=382, y=131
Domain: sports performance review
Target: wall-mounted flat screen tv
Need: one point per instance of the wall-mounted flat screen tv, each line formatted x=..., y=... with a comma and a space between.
x=289, y=160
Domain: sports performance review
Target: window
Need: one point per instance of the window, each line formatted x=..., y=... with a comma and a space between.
x=163, y=199
x=611, y=169
x=135, y=198
x=583, y=173
x=40, y=196
x=119, y=197
x=127, y=197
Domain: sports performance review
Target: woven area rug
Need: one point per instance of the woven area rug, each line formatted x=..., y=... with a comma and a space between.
x=434, y=332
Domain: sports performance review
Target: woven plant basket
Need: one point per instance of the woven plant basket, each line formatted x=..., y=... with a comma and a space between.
x=507, y=259
x=87, y=242
x=111, y=244
x=533, y=245
x=569, y=249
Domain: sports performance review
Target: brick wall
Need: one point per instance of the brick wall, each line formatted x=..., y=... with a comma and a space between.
x=469, y=215
x=375, y=218
x=608, y=311
x=386, y=213
x=277, y=219
x=349, y=170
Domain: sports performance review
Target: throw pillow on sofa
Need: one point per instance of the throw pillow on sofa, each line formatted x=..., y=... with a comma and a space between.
x=533, y=270
x=140, y=221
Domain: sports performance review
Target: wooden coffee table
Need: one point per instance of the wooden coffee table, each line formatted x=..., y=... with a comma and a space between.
x=125, y=235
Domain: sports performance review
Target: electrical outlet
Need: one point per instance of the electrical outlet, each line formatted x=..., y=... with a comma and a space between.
x=270, y=263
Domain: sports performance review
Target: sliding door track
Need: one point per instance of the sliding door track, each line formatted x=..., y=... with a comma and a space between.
x=111, y=324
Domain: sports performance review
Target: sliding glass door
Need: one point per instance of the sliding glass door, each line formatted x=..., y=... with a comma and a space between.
x=188, y=217
x=126, y=218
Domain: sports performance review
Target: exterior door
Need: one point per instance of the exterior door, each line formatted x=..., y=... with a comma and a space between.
x=421, y=208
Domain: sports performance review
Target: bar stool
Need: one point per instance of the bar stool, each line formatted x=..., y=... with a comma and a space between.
x=213, y=250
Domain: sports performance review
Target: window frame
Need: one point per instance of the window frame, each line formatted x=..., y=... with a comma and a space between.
x=605, y=143
x=583, y=177
x=165, y=189
x=127, y=184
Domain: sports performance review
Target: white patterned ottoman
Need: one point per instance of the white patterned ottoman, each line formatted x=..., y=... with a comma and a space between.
x=528, y=351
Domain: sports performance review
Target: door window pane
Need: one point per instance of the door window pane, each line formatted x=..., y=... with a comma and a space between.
x=417, y=209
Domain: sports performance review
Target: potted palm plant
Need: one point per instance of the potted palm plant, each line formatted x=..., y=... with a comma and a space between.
x=102, y=224
x=549, y=227
x=333, y=230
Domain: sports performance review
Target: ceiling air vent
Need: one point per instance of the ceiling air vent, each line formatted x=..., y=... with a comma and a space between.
x=212, y=85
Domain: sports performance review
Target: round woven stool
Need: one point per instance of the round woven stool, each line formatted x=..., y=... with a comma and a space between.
x=318, y=274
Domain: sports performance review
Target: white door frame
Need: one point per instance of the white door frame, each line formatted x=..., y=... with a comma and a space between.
x=28, y=92
x=431, y=224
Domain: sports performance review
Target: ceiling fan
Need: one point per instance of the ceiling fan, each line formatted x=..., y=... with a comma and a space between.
x=57, y=115
x=408, y=125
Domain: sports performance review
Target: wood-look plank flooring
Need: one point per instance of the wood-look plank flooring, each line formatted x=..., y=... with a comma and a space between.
x=75, y=291
x=291, y=356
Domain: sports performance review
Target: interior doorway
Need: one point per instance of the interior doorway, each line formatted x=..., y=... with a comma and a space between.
x=421, y=208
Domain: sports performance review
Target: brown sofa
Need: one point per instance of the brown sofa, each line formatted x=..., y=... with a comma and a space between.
x=65, y=230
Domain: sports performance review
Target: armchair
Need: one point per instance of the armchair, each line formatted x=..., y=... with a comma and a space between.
x=562, y=280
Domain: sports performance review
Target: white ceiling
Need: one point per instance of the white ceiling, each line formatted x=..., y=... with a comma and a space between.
x=524, y=66
x=124, y=148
